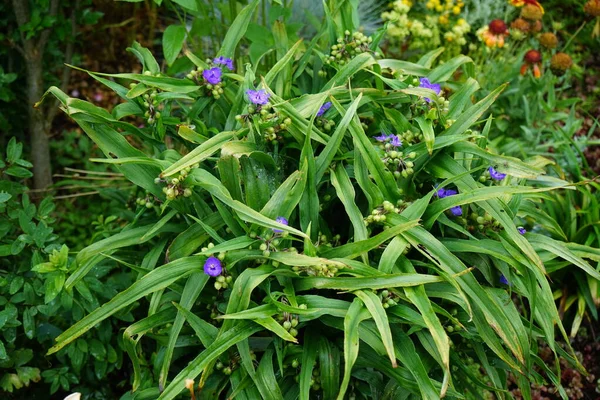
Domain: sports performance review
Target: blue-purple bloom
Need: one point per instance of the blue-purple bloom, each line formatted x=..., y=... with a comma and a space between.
x=441, y=193
x=323, y=109
x=396, y=142
x=212, y=267
x=281, y=220
x=258, y=97
x=381, y=138
x=503, y=280
x=425, y=84
x=228, y=62
x=456, y=211
x=213, y=75
x=498, y=176
x=522, y=230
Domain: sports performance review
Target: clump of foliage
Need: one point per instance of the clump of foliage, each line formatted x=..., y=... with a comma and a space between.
x=423, y=25
x=36, y=307
x=310, y=231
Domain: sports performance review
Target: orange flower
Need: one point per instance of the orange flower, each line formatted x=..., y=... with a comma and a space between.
x=533, y=59
x=521, y=3
x=493, y=35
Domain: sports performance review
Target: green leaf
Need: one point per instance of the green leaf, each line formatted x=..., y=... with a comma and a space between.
x=191, y=291
x=447, y=69
x=351, y=341
x=18, y=172
x=371, y=282
x=309, y=358
x=237, y=30
x=155, y=280
x=13, y=150
x=373, y=304
x=146, y=58
x=345, y=191
x=189, y=4
x=172, y=42
x=408, y=355
x=265, y=379
x=225, y=341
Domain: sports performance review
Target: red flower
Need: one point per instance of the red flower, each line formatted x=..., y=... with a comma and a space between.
x=533, y=59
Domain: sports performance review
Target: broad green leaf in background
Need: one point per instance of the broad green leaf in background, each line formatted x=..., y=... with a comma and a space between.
x=172, y=42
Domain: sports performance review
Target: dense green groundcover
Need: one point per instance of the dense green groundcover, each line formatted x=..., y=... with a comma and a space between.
x=328, y=223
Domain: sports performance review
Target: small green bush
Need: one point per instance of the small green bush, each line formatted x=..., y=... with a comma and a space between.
x=34, y=307
x=286, y=245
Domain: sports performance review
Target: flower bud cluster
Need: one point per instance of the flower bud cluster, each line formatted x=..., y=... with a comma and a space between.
x=409, y=137
x=174, y=186
x=147, y=201
x=320, y=269
x=349, y=46
x=232, y=364
x=315, y=380
x=150, y=104
x=480, y=223
x=323, y=240
x=378, y=214
x=276, y=127
x=325, y=123
x=289, y=322
x=388, y=299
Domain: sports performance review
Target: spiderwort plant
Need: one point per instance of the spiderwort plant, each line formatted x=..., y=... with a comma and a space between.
x=364, y=241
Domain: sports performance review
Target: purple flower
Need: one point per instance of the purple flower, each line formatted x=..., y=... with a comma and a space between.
x=441, y=193
x=396, y=142
x=522, y=230
x=212, y=266
x=425, y=84
x=456, y=211
x=498, y=176
x=503, y=280
x=228, y=62
x=258, y=97
x=98, y=96
x=323, y=108
x=381, y=138
x=281, y=220
x=75, y=93
x=213, y=75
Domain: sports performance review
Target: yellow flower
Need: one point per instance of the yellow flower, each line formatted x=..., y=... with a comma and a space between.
x=456, y=10
x=443, y=19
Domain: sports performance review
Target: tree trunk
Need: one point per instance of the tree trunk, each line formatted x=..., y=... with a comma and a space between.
x=38, y=129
